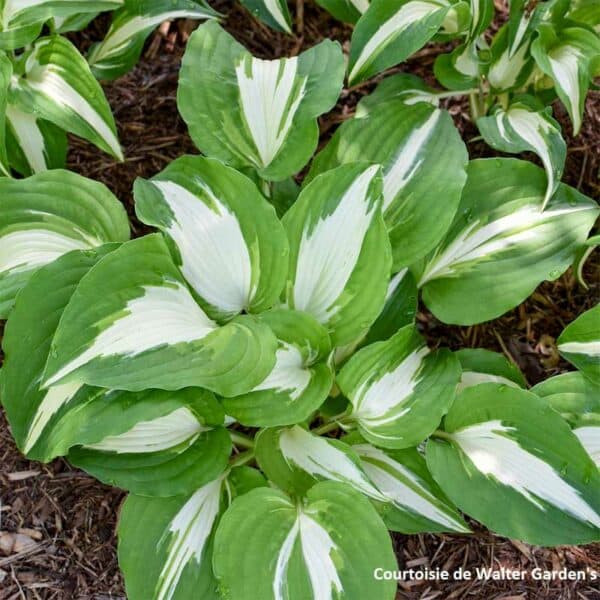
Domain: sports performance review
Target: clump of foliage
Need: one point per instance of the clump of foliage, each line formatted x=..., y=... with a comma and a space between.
x=47, y=88
x=252, y=374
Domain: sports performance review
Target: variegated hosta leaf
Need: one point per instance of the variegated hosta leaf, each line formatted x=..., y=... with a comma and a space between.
x=589, y=437
x=399, y=390
x=34, y=145
x=122, y=45
x=510, y=64
x=339, y=251
x=21, y=20
x=5, y=75
x=390, y=31
x=146, y=330
x=587, y=12
x=300, y=380
x=153, y=443
x=57, y=85
x=460, y=69
x=26, y=344
x=510, y=461
x=294, y=459
x=581, y=258
x=501, y=245
x=567, y=57
x=75, y=22
x=521, y=128
x=232, y=248
x=166, y=544
x=273, y=12
x=484, y=366
x=523, y=18
x=327, y=547
x=579, y=343
x=482, y=13
x=423, y=159
x=348, y=11
x=47, y=215
x=415, y=502
x=265, y=117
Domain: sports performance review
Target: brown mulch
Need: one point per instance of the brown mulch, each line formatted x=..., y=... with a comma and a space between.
x=57, y=524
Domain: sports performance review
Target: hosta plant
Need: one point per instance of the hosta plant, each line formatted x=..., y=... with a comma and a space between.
x=47, y=87
x=251, y=373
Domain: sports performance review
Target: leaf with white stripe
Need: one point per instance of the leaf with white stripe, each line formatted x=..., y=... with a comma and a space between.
x=501, y=245
x=407, y=88
x=57, y=85
x=26, y=344
x=587, y=12
x=589, y=436
x=266, y=116
x=5, y=75
x=390, y=31
x=509, y=460
x=459, y=69
x=482, y=13
x=581, y=258
x=510, y=65
x=232, y=248
x=300, y=380
x=146, y=330
x=522, y=128
x=274, y=13
x=415, y=502
x=340, y=256
x=294, y=459
x=327, y=547
x=154, y=448
x=484, y=366
x=568, y=58
x=47, y=215
x=399, y=390
x=579, y=343
x=121, y=47
x=34, y=145
x=423, y=160
x=348, y=11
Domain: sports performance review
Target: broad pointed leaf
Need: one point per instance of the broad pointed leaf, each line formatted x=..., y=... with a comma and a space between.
x=582, y=256
x=460, y=69
x=328, y=547
x=348, y=11
x=146, y=330
x=5, y=75
x=510, y=461
x=511, y=62
x=409, y=89
x=274, y=13
x=339, y=251
x=390, y=31
x=587, y=12
x=423, y=160
x=300, y=380
x=501, y=245
x=521, y=128
x=399, y=390
x=57, y=85
x=265, y=115
x=579, y=343
x=484, y=366
x=232, y=248
x=47, y=215
x=121, y=47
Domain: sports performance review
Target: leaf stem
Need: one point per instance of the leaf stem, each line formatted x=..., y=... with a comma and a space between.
x=239, y=439
x=454, y=93
x=242, y=458
x=326, y=427
x=442, y=434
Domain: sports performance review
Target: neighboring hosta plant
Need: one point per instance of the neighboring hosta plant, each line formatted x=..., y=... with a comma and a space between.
x=252, y=373
x=47, y=87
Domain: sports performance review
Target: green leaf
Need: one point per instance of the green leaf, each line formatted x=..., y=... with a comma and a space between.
x=256, y=113
x=460, y=69
x=399, y=390
x=300, y=380
x=274, y=13
x=416, y=503
x=484, y=366
x=510, y=461
x=579, y=343
x=511, y=64
x=34, y=145
x=5, y=75
x=581, y=258
x=567, y=58
x=390, y=31
x=423, y=159
x=232, y=248
x=166, y=544
x=348, y=11
x=339, y=251
x=586, y=12
x=589, y=437
x=330, y=546
x=482, y=13
x=58, y=86
x=121, y=47
x=522, y=128
x=146, y=330
x=47, y=215
x=26, y=344
x=501, y=245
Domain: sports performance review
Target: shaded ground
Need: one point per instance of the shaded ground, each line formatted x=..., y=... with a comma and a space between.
x=59, y=524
